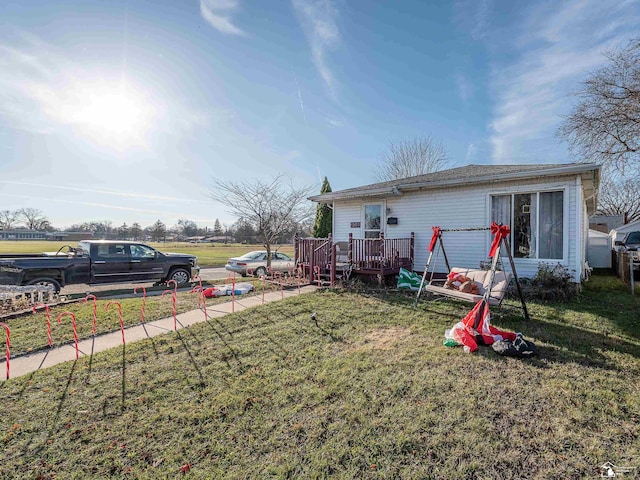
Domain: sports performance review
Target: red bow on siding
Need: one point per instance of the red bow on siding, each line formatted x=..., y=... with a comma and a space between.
x=500, y=232
x=434, y=238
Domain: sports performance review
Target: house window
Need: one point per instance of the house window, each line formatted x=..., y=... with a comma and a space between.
x=372, y=220
x=536, y=221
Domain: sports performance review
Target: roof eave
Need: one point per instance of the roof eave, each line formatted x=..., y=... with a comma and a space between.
x=389, y=189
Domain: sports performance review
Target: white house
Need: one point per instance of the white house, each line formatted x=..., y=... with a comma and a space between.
x=546, y=206
x=619, y=232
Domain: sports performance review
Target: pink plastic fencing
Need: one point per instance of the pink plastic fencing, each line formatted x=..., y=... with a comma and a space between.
x=106, y=308
x=46, y=307
x=144, y=299
x=95, y=314
x=173, y=306
x=73, y=322
x=7, y=343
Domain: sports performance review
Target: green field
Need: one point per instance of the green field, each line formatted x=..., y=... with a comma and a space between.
x=366, y=390
x=209, y=254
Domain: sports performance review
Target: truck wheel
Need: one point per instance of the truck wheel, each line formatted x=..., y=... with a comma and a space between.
x=45, y=282
x=180, y=275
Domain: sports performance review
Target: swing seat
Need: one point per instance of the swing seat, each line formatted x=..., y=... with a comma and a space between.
x=481, y=278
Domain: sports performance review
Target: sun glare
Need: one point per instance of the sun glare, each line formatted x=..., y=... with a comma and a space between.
x=117, y=117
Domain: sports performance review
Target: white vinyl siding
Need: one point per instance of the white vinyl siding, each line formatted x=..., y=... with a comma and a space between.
x=461, y=207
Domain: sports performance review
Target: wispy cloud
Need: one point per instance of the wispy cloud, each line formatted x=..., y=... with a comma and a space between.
x=474, y=16
x=465, y=87
x=472, y=150
x=555, y=49
x=218, y=14
x=105, y=192
x=304, y=115
x=43, y=91
x=150, y=213
x=319, y=22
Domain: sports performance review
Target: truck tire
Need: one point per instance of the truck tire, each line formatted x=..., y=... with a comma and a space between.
x=180, y=275
x=45, y=281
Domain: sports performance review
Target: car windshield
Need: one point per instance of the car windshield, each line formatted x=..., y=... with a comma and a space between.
x=634, y=237
x=252, y=256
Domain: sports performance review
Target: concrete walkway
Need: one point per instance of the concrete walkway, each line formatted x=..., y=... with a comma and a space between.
x=26, y=364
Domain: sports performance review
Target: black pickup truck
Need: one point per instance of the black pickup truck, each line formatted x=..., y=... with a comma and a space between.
x=631, y=244
x=98, y=261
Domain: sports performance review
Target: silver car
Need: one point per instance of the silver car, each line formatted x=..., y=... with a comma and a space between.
x=257, y=263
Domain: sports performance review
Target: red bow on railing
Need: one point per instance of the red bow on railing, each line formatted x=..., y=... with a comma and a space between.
x=500, y=232
x=436, y=234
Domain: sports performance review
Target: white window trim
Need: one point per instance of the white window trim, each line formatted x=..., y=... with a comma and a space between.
x=383, y=205
x=565, y=220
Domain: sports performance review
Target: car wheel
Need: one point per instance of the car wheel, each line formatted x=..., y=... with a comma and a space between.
x=260, y=271
x=180, y=276
x=45, y=282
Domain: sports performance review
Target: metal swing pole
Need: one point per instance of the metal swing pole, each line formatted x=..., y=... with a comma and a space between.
x=424, y=276
x=515, y=276
x=437, y=233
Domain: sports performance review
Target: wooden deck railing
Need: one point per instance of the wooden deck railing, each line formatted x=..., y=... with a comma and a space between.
x=374, y=256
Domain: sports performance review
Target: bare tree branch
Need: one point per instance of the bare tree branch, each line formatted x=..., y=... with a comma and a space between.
x=605, y=123
x=33, y=218
x=620, y=195
x=8, y=219
x=271, y=207
x=411, y=157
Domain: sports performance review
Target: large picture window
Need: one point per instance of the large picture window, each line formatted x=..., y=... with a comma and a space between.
x=536, y=221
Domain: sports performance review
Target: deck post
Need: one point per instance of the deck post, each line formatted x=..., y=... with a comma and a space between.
x=333, y=264
x=350, y=249
x=296, y=249
x=411, y=248
x=381, y=256
x=312, y=260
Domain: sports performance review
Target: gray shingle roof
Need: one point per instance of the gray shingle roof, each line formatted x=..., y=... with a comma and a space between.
x=458, y=176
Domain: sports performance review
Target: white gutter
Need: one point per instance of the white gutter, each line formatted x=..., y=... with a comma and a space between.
x=389, y=189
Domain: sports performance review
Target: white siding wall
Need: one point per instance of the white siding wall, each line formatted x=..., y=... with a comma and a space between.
x=462, y=207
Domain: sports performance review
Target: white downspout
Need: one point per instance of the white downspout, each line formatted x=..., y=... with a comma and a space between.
x=579, y=220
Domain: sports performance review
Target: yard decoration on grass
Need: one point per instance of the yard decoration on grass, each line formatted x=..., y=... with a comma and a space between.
x=144, y=299
x=173, y=306
x=48, y=320
x=475, y=328
x=73, y=322
x=175, y=285
x=95, y=307
x=106, y=308
x=7, y=343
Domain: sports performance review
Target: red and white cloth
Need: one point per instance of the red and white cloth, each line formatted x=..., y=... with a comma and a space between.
x=476, y=328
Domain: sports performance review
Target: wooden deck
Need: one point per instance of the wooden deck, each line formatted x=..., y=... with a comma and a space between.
x=324, y=261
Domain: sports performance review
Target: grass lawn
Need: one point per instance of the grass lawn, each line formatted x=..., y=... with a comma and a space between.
x=368, y=391
x=209, y=254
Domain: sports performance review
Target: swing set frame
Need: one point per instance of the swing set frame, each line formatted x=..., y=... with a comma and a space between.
x=500, y=241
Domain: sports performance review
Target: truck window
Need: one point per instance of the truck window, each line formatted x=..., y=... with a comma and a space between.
x=142, y=251
x=112, y=251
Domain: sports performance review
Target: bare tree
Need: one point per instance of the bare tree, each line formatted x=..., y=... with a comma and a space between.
x=604, y=126
x=411, y=157
x=33, y=218
x=8, y=219
x=271, y=207
x=619, y=195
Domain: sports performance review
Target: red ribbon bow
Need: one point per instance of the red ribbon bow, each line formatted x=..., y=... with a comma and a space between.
x=500, y=232
x=436, y=234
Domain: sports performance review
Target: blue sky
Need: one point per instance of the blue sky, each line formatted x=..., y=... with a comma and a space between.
x=131, y=110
